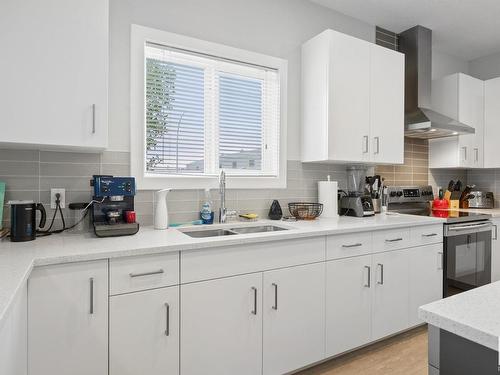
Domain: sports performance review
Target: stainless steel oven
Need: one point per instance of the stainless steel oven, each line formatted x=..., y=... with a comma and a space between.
x=467, y=256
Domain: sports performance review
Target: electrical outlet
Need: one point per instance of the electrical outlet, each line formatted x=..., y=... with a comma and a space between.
x=62, y=198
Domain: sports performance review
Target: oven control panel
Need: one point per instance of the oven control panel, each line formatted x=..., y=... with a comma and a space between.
x=406, y=194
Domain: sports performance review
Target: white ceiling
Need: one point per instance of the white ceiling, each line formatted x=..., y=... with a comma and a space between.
x=467, y=29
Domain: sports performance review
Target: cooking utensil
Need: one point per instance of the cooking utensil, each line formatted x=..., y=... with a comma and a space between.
x=304, y=210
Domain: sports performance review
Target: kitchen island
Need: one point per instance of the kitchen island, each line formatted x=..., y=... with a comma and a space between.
x=464, y=331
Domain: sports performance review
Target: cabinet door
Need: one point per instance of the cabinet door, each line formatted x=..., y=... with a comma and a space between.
x=68, y=319
x=349, y=99
x=144, y=332
x=471, y=112
x=426, y=278
x=54, y=81
x=13, y=337
x=348, y=304
x=387, y=105
x=390, y=293
x=294, y=318
x=221, y=325
x=491, y=123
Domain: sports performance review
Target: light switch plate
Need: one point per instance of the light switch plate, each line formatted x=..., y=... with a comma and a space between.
x=53, y=193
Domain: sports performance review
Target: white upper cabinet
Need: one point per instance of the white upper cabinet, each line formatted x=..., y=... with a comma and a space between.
x=460, y=97
x=491, y=123
x=352, y=101
x=54, y=72
x=387, y=102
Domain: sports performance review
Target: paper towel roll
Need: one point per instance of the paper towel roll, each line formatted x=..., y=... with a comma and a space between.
x=327, y=195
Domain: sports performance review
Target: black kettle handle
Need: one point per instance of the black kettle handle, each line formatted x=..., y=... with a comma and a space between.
x=40, y=207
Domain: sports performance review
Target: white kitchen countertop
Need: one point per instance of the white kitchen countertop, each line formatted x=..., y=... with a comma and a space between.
x=474, y=315
x=18, y=259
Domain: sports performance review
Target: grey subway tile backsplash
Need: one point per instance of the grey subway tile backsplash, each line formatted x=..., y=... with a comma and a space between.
x=31, y=174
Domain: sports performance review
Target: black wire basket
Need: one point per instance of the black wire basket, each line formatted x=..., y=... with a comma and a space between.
x=304, y=210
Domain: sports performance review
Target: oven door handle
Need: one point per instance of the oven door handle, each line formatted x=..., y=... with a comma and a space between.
x=469, y=227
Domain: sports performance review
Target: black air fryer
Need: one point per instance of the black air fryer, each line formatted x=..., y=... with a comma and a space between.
x=23, y=220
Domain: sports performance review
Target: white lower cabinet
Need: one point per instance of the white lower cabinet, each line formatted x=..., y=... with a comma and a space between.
x=348, y=304
x=13, y=337
x=68, y=319
x=144, y=332
x=221, y=326
x=426, y=278
x=294, y=318
x=390, y=293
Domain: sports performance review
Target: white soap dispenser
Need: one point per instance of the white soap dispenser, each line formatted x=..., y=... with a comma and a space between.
x=161, y=210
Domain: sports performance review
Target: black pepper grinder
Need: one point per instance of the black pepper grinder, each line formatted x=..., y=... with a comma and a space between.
x=275, y=212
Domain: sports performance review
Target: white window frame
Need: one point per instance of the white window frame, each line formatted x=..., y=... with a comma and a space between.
x=141, y=35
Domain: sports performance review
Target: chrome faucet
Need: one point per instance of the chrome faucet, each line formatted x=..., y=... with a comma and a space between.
x=222, y=192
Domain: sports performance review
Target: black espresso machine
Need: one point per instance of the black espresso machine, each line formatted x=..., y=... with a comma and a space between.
x=113, y=206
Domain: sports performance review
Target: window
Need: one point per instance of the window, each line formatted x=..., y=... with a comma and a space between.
x=205, y=107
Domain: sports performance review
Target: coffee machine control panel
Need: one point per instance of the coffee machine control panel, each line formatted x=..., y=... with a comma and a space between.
x=109, y=186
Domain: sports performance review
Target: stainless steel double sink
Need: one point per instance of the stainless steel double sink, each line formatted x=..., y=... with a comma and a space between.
x=203, y=233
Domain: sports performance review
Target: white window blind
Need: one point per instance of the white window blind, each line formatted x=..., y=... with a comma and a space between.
x=204, y=113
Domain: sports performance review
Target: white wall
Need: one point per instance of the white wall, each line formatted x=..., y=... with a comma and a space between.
x=444, y=64
x=274, y=27
x=486, y=67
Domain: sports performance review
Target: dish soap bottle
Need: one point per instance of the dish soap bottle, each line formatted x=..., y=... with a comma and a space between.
x=206, y=213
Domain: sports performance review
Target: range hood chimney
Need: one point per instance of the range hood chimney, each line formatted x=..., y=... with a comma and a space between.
x=420, y=120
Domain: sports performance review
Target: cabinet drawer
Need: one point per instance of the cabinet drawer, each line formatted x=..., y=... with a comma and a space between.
x=131, y=274
x=392, y=239
x=348, y=245
x=205, y=264
x=427, y=234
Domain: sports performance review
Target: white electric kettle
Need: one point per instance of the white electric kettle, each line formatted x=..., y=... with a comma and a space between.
x=161, y=211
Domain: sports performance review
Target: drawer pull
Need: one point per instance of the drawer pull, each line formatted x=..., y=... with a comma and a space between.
x=429, y=235
x=381, y=282
x=353, y=245
x=160, y=271
x=368, y=280
x=167, y=320
x=394, y=239
x=254, y=311
x=275, y=307
x=91, y=280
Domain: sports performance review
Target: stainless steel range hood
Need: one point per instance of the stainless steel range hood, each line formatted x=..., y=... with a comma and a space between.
x=420, y=120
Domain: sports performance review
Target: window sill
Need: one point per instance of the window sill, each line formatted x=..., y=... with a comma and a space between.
x=203, y=182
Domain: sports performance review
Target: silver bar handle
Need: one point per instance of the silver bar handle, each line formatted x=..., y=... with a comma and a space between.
x=275, y=307
x=465, y=152
x=394, y=239
x=160, y=271
x=167, y=319
x=368, y=282
x=476, y=154
x=467, y=227
x=353, y=245
x=440, y=260
x=365, y=144
x=93, y=118
x=429, y=234
x=377, y=145
x=91, y=296
x=254, y=311
x=381, y=282
x=496, y=232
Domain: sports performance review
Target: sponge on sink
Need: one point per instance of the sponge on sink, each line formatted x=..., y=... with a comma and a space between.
x=249, y=216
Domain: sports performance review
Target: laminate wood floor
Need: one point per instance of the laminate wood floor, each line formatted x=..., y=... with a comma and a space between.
x=405, y=354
